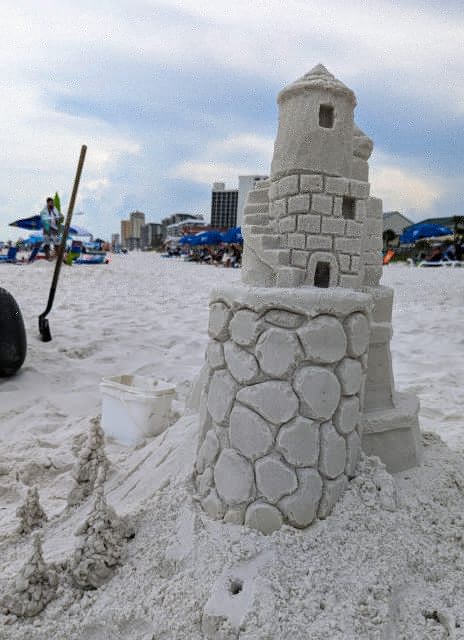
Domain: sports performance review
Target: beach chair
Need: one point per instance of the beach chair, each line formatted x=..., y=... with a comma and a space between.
x=10, y=256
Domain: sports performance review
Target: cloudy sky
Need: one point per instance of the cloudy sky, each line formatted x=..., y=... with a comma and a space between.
x=170, y=95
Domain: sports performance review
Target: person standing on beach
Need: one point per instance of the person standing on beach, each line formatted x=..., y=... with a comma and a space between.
x=50, y=218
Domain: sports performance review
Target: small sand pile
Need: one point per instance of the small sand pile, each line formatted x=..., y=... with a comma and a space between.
x=375, y=484
x=102, y=543
x=90, y=460
x=34, y=587
x=30, y=514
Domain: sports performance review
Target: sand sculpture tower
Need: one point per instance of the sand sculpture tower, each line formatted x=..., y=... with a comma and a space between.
x=299, y=365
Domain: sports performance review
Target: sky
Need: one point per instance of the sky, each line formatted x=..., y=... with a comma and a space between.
x=171, y=95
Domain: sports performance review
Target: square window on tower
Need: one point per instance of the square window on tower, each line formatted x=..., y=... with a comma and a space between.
x=326, y=116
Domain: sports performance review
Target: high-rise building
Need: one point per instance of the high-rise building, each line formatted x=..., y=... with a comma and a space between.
x=245, y=184
x=151, y=235
x=125, y=232
x=223, y=206
x=137, y=219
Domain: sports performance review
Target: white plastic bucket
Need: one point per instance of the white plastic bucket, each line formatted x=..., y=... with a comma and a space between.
x=134, y=407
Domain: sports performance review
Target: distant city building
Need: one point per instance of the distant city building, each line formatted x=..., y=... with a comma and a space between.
x=179, y=217
x=168, y=223
x=396, y=222
x=131, y=230
x=125, y=232
x=245, y=185
x=187, y=226
x=223, y=206
x=137, y=219
x=115, y=240
x=132, y=243
x=151, y=235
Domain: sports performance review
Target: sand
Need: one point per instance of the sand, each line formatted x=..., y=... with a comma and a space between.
x=389, y=563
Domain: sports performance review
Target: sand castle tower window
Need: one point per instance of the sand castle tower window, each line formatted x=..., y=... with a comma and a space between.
x=326, y=116
x=348, y=208
x=322, y=275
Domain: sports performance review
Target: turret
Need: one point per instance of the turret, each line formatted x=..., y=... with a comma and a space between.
x=315, y=126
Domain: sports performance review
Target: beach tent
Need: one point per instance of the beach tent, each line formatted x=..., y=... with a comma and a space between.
x=424, y=230
x=232, y=236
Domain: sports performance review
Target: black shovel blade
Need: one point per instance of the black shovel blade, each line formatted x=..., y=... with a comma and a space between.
x=44, y=329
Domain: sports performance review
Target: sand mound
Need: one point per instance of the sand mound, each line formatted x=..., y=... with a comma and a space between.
x=385, y=564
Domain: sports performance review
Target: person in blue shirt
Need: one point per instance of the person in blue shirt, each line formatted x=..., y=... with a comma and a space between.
x=51, y=219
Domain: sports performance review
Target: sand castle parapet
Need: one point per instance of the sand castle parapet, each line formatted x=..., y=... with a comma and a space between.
x=299, y=375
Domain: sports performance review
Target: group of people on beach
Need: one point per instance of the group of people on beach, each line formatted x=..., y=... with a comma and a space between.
x=444, y=252
x=222, y=255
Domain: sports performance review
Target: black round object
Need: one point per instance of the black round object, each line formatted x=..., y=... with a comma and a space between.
x=13, y=344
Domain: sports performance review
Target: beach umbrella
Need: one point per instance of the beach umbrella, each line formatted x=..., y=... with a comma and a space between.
x=208, y=237
x=424, y=230
x=31, y=223
x=34, y=223
x=74, y=230
x=186, y=240
x=34, y=238
x=232, y=236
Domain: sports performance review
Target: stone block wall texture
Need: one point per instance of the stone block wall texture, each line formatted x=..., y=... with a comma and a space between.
x=281, y=411
x=300, y=223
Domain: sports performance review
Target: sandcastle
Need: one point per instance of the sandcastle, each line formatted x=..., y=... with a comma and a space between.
x=298, y=369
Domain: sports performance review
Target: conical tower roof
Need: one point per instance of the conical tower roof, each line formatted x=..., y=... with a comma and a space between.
x=318, y=78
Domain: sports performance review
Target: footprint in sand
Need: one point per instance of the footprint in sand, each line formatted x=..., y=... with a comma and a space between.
x=80, y=353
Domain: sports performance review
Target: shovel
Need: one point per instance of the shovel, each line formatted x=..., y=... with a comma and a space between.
x=44, y=327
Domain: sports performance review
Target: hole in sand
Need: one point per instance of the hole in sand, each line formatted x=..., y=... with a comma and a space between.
x=235, y=587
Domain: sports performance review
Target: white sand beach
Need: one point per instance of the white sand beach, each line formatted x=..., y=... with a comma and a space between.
x=389, y=564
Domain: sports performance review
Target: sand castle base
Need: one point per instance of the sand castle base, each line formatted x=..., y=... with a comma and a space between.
x=281, y=411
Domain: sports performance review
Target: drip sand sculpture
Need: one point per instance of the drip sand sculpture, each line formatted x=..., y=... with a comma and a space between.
x=34, y=587
x=102, y=537
x=31, y=514
x=298, y=372
x=92, y=458
x=102, y=541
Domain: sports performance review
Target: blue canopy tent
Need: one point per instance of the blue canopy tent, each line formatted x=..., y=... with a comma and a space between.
x=424, y=230
x=232, y=236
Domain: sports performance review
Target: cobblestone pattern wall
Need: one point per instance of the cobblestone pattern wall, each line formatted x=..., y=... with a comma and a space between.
x=280, y=414
x=297, y=222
